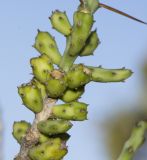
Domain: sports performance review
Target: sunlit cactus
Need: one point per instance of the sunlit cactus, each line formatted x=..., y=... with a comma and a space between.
x=57, y=77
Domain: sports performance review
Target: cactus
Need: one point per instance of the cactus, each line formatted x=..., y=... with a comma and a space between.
x=60, y=22
x=20, y=129
x=57, y=77
x=136, y=139
x=91, y=44
x=75, y=111
x=53, y=127
x=53, y=149
x=31, y=97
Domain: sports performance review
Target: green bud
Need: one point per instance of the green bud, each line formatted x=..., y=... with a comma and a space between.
x=52, y=127
x=56, y=85
x=41, y=87
x=31, y=97
x=110, y=75
x=78, y=76
x=20, y=129
x=72, y=95
x=60, y=22
x=91, y=44
x=41, y=66
x=46, y=44
x=54, y=149
x=83, y=22
x=75, y=111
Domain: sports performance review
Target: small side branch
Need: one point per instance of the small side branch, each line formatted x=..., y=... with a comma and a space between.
x=32, y=135
x=134, y=142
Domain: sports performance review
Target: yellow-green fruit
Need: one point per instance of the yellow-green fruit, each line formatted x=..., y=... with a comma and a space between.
x=78, y=76
x=83, y=22
x=57, y=84
x=46, y=44
x=53, y=127
x=72, y=94
x=75, y=111
x=20, y=129
x=91, y=44
x=60, y=22
x=54, y=149
x=31, y=97
x=41, y=87
x=41, y=66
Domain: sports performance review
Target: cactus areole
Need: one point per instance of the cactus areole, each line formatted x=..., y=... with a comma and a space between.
x=56, y=76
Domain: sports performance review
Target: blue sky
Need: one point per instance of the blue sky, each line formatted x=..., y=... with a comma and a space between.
x=123, y=43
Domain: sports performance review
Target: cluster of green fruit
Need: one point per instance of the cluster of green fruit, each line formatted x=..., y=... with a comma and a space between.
x=57, y=77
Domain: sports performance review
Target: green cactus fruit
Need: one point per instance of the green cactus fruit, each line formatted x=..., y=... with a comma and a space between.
x=52, y=127
x=56, y=85
x=20, y=129
x=91, y=44
x=75, y=111
x=110, y=75
x=60, y=22
x=72, y=94
x=41, y=66
x=78, y=76
x=41, y=87
x=83, y=22
x=54, y=149
x=46, y=44
x=31, y=97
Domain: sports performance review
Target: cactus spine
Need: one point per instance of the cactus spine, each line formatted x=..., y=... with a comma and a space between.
x=55, y=76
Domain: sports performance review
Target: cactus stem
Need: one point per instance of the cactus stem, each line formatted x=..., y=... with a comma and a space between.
x=134, y=142
x=32, y=135
x=67, y=60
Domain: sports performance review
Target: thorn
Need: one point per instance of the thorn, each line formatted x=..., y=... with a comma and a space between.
x=38, y=30
x=123, y=81
x=120, y=12
x=33, y=45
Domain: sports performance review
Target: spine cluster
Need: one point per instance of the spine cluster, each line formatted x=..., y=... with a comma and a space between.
x=56, y=76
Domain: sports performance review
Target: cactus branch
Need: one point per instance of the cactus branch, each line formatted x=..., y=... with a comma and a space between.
x=134, y=142
x=100, y=74
x=32, y=135
x=67, y=60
